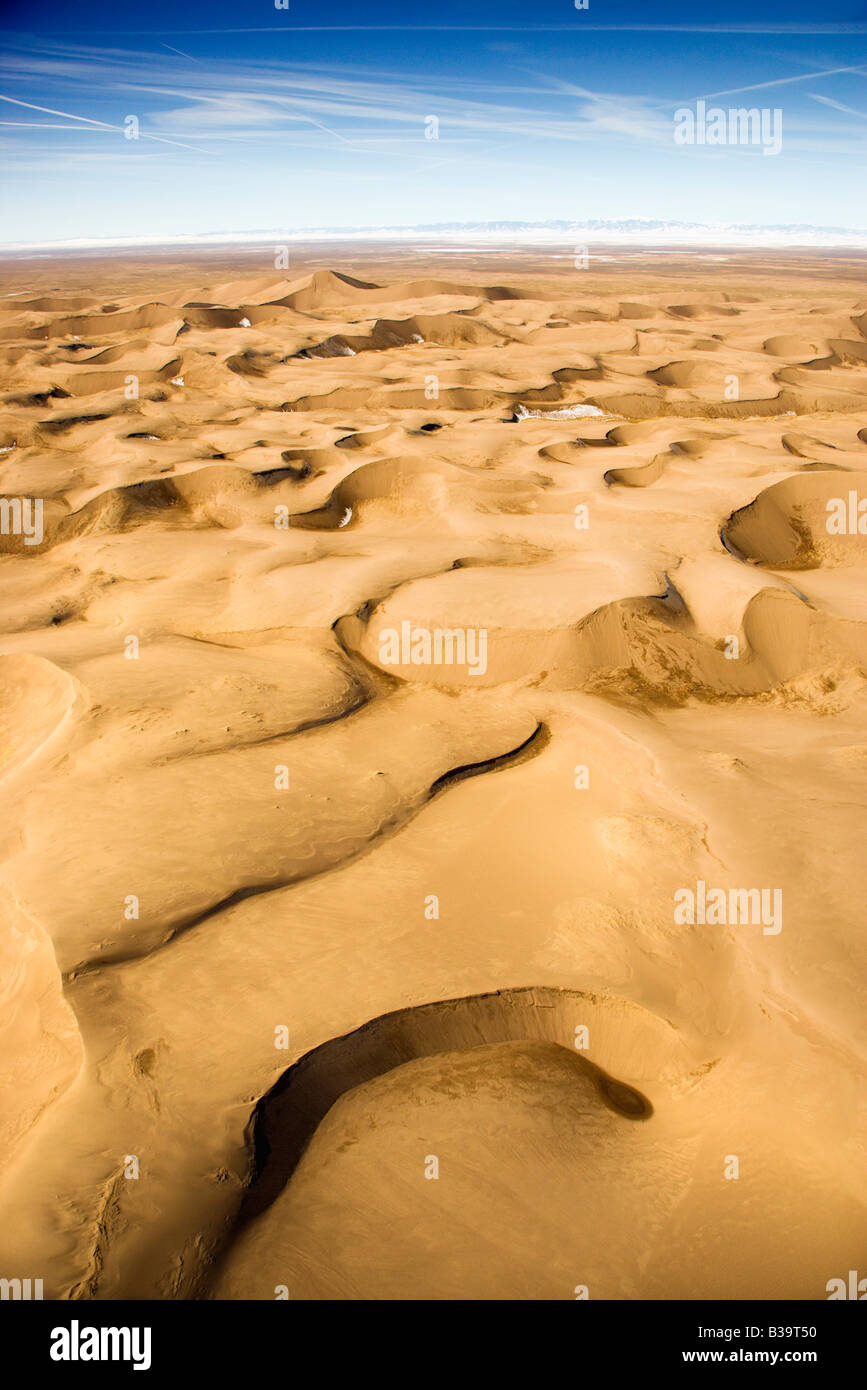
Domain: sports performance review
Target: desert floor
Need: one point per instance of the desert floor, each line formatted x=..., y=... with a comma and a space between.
x=331, y=969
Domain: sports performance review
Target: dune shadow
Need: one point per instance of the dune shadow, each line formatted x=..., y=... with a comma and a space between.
x=286, y=1118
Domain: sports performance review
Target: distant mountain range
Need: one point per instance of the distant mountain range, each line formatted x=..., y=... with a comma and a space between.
x=628, y=232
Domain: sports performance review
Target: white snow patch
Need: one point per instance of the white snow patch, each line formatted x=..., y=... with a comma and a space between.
x=567, y=412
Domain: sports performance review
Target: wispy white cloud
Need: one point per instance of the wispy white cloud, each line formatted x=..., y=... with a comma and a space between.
x=786, y=81
x=837, y=105
x=86, y=122
x=270, y=124
x=179, y=52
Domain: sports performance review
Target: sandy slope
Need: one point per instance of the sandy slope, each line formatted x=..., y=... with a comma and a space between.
x=230, y=812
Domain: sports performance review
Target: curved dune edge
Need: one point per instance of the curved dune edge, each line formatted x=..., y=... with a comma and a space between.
x=484, y=1114
x=803, y=522
x=219, y=496
x=399, y=488
x=633, y=1042
x=385, y=788
x=642, y=475
x=41, y=1050
x=36, y=699
x=639, y=651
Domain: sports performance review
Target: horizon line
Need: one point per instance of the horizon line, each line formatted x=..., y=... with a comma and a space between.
x=626, y=231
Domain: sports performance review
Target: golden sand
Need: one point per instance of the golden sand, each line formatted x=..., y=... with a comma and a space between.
x=395, y=647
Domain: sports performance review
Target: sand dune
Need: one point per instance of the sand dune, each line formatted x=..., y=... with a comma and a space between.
x=386, y=653
x=787, y=526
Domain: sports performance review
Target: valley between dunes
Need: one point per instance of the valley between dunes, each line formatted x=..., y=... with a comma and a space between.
x=332, y=975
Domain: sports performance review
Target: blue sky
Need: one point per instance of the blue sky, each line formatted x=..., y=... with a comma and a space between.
x=253, y=117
